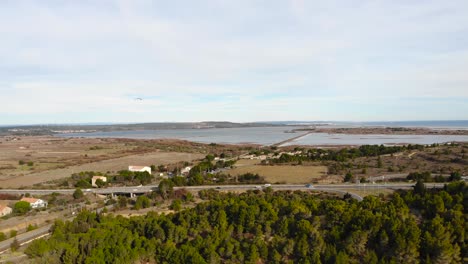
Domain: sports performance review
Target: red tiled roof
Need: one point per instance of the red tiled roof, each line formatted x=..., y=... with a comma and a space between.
x=29, y=199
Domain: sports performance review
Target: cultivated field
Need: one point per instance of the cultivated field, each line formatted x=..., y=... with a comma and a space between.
x=283, y=173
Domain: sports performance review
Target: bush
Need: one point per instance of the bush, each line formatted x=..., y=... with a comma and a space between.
x=13, y=233
x=348, y=177
x=83, y=184
x=176, y=205
x=78, y=194
x=31, y=227
x=142, y=202
x=21, y=207
x=2, y=236
x=455, y=176
x=15, y=245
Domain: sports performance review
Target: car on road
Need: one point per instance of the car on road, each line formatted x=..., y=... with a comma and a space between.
x=218, y=188
x=310, y=186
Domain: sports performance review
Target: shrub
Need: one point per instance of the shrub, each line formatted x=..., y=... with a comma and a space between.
x=21, y=207
x=176, y=205
x=78, y=194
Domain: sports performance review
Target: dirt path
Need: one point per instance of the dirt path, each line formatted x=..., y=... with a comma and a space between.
x=116, y=164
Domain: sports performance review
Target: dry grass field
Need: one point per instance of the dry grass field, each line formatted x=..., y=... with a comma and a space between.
x=112, y=165
x=53, y=158
x=283, y=173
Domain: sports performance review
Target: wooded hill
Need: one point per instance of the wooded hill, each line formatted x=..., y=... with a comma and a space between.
x=420, y=226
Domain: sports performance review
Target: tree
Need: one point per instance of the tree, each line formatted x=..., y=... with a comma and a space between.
x=83, y=184
x=165, y=188
x=419, y=187
x=176, y=205
x=15, y=245
x=455, y=176
x=162, y=168
x=348, y=177
x=122, y=201
x=78, y=194
x=100, y=183
x=379, y=162
x=210, y=157
x=22, y=207
x=142, y=202
x=2, y=236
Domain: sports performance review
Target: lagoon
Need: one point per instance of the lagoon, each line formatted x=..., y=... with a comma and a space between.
x=270, y=136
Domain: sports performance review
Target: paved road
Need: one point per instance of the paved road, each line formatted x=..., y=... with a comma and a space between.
x=150, y=188
x=398, y=176
x=25, y=237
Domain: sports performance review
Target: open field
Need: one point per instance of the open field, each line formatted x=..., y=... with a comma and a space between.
x=25, y=161
x=112, y=165
x=283, y=173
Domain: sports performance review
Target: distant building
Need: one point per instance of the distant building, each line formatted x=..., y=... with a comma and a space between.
x=35, y=203
x=185, y=170
x=95, y=178
x=5, y=210
x=140, y=168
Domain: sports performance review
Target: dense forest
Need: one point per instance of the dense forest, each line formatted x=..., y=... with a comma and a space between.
x=418, y=226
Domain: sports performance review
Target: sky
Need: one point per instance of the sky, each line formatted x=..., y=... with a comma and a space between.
x=89, y=61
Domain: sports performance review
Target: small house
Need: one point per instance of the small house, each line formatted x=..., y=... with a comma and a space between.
x=140, y=169
x=5, y=210
x=35, y=203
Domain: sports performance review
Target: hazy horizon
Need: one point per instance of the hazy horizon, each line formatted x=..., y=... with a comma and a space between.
x=260, y=121
x=149, y=61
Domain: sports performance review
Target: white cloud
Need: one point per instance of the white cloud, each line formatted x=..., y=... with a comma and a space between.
x=93, y=57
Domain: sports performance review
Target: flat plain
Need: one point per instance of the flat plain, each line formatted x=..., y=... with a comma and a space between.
x=25, y=161
x=281, y=173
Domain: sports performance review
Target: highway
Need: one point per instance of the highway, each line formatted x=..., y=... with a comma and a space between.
x=150, y=188
x=385, y=177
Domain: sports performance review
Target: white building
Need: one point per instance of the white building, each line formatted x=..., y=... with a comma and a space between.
x=35, y=203
x=95, y=178
x=185, y=170
x=5, y=210
x=140, y=168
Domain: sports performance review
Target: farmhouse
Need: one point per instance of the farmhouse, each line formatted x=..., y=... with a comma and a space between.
x=140, y=168
x=35, y=203
x=5, y=210
x=95, y=178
